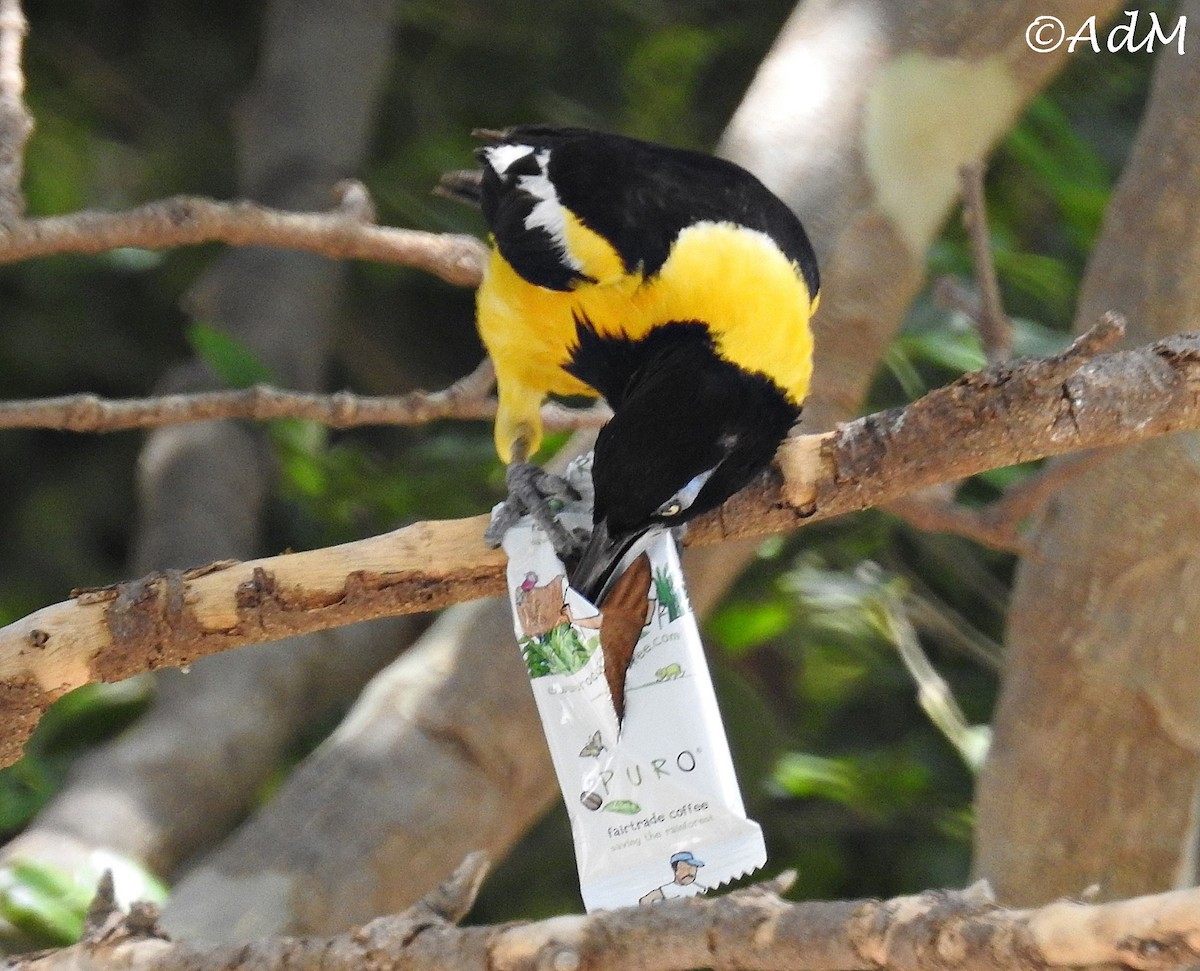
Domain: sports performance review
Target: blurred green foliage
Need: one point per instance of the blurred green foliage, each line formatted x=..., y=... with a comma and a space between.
x=78, y=720
x=47, y=905
x=854, y=786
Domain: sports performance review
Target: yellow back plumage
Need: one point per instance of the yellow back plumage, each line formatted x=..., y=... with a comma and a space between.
x=734, y=280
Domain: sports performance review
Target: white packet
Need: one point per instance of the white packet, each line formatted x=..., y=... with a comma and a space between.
x=655, y=808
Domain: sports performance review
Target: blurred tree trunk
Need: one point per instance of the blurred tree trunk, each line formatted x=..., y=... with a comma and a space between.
x=1093, y=775
x=860, y=117
x=188, y=770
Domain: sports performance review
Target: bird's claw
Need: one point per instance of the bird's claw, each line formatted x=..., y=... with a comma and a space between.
x=541, y=495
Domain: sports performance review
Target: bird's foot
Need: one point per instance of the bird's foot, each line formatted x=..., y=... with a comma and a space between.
x=533, y=491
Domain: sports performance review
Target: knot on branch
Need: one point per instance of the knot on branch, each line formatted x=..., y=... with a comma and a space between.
x=1058, y=367
x=106, y=923
x=353, y=200
x=180, y=211
x=1178, y=349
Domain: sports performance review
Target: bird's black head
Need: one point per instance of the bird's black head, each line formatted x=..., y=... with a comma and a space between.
x=689, y=430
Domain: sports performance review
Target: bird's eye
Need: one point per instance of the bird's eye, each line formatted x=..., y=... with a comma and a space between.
x=684, y=498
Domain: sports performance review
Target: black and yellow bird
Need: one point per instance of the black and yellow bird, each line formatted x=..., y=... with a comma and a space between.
x=670, y=282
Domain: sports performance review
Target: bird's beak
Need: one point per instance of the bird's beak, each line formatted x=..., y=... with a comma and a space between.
x=606, y=557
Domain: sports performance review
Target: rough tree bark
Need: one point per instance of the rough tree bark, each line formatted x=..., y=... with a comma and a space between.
x=749, y=928
x=187, y=771
x=1094, y=774
x=860, y=117
x=1007, y=413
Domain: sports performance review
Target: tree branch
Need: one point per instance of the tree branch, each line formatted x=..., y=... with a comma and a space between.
x=341, y=233
x=468, y=399
x=997, y=524
x=995, y=329
x=935, y=510
x=964, y=930
x=1004, y=414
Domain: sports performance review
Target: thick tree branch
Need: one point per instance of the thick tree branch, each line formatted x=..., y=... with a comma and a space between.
x=340, y=233
x=1005, y=414
x=960, y=930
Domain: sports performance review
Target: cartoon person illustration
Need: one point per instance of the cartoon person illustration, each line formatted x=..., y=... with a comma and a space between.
x=527, y=585
x=686, y=868
x=549, y=642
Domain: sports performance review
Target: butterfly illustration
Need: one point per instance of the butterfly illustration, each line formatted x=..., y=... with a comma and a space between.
x=594, y=746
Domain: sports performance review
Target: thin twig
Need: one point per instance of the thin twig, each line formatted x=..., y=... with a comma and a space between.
x=998, y=524
x=933, y=511
x=452, y=901
x=16, y=123
x=933, y=692
x=1026, y=498
x=995, y=329
x=466, y=399
x=950, y=293
x=346, y=232
x=477, y=384
x=1104, y=334
x=934, y=617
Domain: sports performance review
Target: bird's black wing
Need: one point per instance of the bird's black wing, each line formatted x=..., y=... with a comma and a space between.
x=525, y=217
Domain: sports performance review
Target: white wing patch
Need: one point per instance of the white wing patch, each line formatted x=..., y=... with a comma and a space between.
x=547, y=213
x=500, y=157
